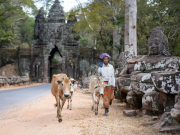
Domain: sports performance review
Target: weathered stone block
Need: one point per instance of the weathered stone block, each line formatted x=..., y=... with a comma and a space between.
x=166, y=123
x=175, y=112
x=133, y=99
x=166, y=82
x=154, y=118
x=149, y=101
x=129, y=112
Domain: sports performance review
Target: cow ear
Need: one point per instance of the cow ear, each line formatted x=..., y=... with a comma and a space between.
x=54, y=76
x=58, y=82
x=73, y=81
x=96, y=87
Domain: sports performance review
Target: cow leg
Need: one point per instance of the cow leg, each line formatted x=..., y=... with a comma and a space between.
x=56, y=101
x=70, y=108
x=68, y=103
x=64, y=100
x=96, y=100
x=56, y=105
x=96, y=105
x=93, y=104
x=56, y=97
x=102, y=104
x=59, y=110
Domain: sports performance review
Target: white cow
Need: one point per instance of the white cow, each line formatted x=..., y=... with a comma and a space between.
x=96, y=88
x=73, y=88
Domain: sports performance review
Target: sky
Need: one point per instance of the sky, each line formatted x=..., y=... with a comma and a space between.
x=67, y=4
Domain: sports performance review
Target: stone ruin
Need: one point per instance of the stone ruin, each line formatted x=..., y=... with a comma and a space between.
x=151, y=82
x=51, y=35
x=14, y=80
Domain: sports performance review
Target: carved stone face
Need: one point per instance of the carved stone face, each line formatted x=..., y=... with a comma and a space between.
x=158, y=43
x=154, y=47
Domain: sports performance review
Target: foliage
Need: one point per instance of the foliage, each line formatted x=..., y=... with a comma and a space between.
x=11, y=14
x=86, y=41
x=27, y=30
x=161, y=13
x=57, y=59
x=99, y=18
x=96, y=19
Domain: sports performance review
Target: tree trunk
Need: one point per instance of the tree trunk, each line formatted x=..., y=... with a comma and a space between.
x=116, y=41
x=133, y=26
x=126, y=32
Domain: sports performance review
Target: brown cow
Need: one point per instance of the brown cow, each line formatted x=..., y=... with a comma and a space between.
x=60, y=89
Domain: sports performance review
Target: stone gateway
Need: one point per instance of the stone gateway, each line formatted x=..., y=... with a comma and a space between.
x=52, y=36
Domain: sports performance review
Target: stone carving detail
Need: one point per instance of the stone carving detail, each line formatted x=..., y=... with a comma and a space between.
x=55, y=31
x=158, y=43
x=151, y=82
x=56, y=13
x=70, y=37
x=39, y=28
x=154, y=79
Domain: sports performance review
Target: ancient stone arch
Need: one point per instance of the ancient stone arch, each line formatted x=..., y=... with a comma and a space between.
x=49, y=34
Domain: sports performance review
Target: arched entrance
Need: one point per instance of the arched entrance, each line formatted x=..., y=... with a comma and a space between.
x=55, y=62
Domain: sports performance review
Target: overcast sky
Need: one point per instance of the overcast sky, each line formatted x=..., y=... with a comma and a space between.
x=67, y=4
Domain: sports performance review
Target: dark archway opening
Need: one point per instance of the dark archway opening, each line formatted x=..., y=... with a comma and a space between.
x=55, y=61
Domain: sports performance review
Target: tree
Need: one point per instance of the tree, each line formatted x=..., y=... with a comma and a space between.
x=162, y=13
x=27, y=30
x=11, y=13
x=98, y=23
x=116, y=6
x=133, y=26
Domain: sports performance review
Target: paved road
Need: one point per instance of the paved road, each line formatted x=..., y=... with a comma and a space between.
x=10, y=99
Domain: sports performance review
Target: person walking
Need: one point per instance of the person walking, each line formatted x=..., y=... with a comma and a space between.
x=106, y=74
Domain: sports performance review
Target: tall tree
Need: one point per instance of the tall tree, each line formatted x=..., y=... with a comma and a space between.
x=11, y=13
x=126, y=31
x=100, y=19
x=133, y=26
x=161, y=13
x=116, y=6
x=99, y=23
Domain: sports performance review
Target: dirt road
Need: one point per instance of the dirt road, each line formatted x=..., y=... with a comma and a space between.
x=39, y=118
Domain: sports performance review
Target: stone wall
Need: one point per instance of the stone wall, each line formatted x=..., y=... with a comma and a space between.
x=151, y=82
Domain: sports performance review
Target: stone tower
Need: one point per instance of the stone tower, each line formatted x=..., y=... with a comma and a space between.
x=56, y=22
x=56, y=13
x=52, y=36
x=39, y=28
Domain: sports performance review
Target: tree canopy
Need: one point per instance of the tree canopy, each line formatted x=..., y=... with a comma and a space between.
x=12, y=20
x=99, y=18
